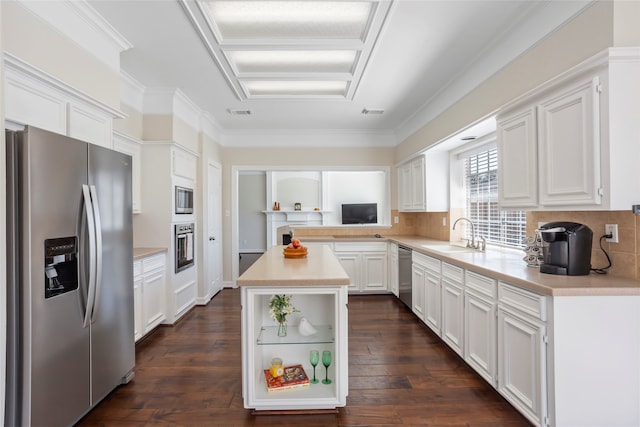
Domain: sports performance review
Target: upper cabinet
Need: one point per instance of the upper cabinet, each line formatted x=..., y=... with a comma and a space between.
x=423, y=183
x=569, y=143
x=33, y=97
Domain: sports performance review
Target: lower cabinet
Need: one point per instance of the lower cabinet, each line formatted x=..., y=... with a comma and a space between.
x=480, y=325
x=522, y=350
x=366, y=265
x=426, y=289
x=394, y=286
x=149, y=293
x=452, y=328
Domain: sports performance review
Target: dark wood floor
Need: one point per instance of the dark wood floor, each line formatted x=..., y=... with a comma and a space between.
x=399, y=374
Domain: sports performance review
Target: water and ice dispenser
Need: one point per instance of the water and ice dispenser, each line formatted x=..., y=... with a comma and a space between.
x=60, y=266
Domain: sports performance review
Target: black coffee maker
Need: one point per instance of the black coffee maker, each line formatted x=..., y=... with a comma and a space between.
x=567, y=248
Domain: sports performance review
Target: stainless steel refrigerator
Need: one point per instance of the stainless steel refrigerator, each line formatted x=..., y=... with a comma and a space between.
x=70, y=277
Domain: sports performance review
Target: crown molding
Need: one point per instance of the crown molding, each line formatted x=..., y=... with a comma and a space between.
x=80, y=22
x=308, y=138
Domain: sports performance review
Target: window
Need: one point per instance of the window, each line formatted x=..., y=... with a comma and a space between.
x=504, y=228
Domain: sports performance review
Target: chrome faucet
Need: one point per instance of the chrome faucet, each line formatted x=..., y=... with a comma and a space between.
x=472, y=243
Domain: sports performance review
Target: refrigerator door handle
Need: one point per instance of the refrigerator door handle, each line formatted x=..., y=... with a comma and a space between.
x=88, y=207
x=98, y=253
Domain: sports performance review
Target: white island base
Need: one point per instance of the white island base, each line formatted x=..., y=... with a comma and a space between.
x=318, y=286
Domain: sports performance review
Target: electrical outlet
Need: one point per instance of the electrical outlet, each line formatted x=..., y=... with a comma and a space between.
x=396, y=219
x=613, y=230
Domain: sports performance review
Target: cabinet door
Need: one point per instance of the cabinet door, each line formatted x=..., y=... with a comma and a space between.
x=433, y=302
x=351, y=264
x=418, y=194
x=405, y=187
x=374, y=271
x=452, y=314
x=417, y=294
x=137, y=307
x=522, y=364
x=480, y=336
x=517, y=158
x=153, y=306
x=569, y=147
x=393, y=274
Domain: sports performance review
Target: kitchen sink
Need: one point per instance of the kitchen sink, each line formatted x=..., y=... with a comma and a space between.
x=448, y=248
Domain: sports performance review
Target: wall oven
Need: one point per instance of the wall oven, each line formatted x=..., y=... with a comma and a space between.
x=184, y=200
x=184, y=244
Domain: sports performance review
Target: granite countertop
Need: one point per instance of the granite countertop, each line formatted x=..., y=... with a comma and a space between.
x=139, y=253
x=319, y=268
x=507, y=265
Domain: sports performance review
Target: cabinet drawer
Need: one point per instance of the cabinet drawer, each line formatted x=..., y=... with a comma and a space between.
x=152, y=263
x=137, y=268
x=453, y=272
x=481, y=284
x=426, y=261
x=523, y=301
x=360, y=247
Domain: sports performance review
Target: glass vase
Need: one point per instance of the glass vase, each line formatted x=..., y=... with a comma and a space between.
x=282, y=328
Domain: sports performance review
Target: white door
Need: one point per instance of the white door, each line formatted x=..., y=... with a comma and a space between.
x=214, y=230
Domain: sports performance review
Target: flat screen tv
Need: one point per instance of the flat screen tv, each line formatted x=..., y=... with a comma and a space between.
x=360, y=213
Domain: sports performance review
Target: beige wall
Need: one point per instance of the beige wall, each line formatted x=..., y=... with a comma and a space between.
x=157, y=127
x=588, y=34
x=37, y=43
x=132, y=124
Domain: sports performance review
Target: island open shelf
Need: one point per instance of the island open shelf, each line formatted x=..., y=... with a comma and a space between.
x=318, y=286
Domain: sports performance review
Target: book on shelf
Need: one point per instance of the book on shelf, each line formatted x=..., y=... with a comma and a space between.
x=294, y=377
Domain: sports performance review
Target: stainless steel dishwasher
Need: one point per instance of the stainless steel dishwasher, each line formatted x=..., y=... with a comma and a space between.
x=404, y=275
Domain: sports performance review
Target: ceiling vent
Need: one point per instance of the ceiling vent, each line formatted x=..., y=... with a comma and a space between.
x=291, y=49
x=372, y=111
x=236, y=112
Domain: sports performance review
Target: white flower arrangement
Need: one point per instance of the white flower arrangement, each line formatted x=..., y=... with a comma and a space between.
x=280, y=306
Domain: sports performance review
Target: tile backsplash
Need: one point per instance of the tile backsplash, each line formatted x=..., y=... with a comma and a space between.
x=624, y=255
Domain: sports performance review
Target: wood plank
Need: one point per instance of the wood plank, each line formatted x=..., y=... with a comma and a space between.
x=400, y=373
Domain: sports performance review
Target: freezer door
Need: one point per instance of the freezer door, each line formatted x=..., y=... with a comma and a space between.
x=112, y=328
x=56, y=346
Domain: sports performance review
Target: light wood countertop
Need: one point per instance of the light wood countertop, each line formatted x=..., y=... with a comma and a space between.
x=319, y=268
x=507, y=265
x=139, y=253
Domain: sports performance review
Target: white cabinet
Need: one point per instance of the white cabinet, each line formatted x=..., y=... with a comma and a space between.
x=426, y=288
x=518, y=160
x=569, y=128
x=423, y=183
x=149, y=293
x=522, y=350
x=549, y=152
x=137, y=299
x=326, y=308
x=417, y=290
x=133, y=147
x=480, y=325
x=393, y=269
x=366, y=264
x=453, y=306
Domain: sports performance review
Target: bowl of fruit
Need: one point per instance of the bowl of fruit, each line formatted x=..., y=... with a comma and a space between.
x=295, y=250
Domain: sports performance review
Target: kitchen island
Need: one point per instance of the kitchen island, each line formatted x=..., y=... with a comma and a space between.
x=318, y=286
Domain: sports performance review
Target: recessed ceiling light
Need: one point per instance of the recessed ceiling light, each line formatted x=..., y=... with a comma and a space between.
x=283, y=88
x=367, y=111
x=293, y=61
x=238, y=112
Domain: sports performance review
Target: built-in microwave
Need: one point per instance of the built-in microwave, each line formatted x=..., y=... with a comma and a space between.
x=184, y=200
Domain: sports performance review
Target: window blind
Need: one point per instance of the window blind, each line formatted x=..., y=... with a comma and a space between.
x=505, y=228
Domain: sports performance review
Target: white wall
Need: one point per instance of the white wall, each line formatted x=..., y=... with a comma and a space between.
x=355, y=187
x=252, y=187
